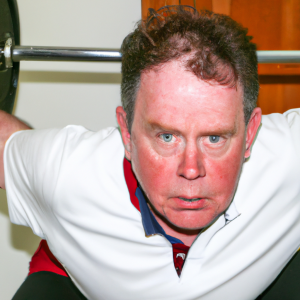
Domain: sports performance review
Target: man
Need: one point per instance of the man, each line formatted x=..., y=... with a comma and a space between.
x=178, y=218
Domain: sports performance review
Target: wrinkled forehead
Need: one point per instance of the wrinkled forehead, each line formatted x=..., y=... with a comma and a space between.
x=174, y=70
x=170, y=94
x=173, y=81
x=209, y=68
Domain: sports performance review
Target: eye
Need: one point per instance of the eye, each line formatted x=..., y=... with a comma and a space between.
x=214, y=139
x=167, y=137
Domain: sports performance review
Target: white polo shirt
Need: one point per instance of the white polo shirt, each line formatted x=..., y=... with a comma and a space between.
x=68, y=185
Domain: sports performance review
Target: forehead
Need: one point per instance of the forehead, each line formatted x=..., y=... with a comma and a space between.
x=171, y=95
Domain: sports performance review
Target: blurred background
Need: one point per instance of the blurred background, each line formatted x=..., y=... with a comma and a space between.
x=55, y=94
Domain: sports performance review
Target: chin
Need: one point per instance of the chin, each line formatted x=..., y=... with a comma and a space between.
x=191, y=220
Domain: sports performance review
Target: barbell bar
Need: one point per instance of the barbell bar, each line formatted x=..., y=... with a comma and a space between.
x=42, y=53
x=37, y=53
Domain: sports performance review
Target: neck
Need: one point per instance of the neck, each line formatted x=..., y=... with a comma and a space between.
x=185, y=235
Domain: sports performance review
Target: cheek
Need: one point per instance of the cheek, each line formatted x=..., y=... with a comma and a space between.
x=152, y=170
x=223, y=174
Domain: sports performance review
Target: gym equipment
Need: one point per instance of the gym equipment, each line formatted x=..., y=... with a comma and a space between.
x=9, y=36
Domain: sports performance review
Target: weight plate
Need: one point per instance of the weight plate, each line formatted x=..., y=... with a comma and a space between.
x=9, y=27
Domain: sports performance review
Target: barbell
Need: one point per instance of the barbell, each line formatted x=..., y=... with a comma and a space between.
x=11, y=53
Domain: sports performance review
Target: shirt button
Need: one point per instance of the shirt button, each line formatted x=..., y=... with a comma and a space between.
x=182, y=255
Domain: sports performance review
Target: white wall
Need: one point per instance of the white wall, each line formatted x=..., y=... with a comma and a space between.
x=54, y=94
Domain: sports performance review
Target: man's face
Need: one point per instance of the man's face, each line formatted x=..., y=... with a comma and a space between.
x=187, y=145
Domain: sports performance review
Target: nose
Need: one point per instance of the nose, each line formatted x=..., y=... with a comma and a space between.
x=191, y=166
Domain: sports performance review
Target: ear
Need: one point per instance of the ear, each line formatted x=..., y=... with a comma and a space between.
x=121, y=118
x=252, y=128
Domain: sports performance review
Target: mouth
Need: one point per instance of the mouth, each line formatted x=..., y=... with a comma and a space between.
x=189, y=199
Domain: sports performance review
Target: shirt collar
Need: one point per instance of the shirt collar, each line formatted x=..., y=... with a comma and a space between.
x=231, y=212
x=131, y=182
x=151, y=226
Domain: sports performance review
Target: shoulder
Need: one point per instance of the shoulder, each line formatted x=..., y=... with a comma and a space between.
x=273, y=169
x=42, y=156
x=286, y=122
x=65, y=139
x=281, y=133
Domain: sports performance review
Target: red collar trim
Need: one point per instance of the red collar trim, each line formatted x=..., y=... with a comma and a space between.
x=131, y=182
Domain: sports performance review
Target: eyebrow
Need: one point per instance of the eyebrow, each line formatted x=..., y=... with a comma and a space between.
x=157, y=126
x=153, y=125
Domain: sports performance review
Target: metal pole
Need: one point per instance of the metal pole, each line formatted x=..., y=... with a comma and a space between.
x=35, y=53
x=278, y=57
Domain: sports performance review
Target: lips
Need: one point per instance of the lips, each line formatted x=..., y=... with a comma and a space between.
x=189, y=199
x=189, y=203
